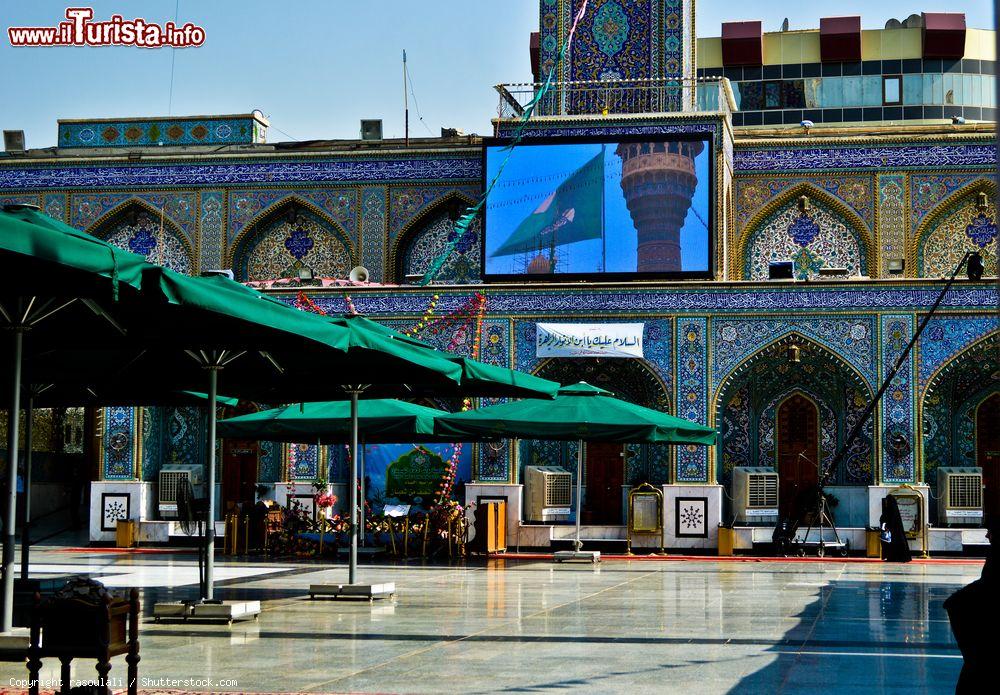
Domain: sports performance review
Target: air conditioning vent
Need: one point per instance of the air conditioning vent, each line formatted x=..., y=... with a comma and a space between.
x=548, y=492
x=170, y=480
x=960, y=496
x=755, y=495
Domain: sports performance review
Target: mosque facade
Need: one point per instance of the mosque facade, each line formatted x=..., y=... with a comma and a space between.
x=864, y=158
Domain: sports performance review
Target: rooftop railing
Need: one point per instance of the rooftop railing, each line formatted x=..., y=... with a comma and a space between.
x=616, y=97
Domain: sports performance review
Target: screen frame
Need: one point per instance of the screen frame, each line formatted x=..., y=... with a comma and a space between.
x=707, y=137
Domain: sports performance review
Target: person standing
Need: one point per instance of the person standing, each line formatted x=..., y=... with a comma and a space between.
x=974, y=612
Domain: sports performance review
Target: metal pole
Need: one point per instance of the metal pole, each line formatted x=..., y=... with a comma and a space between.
x=855, y=432
x=213, y=383
x=579, y=495
x=26, y=523
x=13, y=424
x=361, y=489
x=353, y=566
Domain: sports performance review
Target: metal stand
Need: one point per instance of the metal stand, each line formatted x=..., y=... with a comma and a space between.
x=578, y=553
x=353, y=589
x=824, y=522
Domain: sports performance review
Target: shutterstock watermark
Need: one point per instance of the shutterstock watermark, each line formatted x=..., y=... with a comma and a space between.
x=81, y=30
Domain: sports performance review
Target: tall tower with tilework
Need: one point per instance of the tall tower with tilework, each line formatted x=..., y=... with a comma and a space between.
x=619, y=40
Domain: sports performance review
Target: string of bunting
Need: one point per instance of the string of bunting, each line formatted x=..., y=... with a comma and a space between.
x=464, y=222
x=470, y=313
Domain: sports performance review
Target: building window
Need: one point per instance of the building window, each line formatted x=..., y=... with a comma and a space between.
x=892, y=90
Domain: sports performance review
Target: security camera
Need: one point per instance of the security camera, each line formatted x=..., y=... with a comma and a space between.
x=807, y=124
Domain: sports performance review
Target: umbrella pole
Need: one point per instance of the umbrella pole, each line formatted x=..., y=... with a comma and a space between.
x=26, y=523
x=361, y=489
x=213, y=383
x=13, y=424
x=353, y=566
x=577, y=545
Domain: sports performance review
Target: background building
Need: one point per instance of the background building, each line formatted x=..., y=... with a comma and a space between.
x=892, y=183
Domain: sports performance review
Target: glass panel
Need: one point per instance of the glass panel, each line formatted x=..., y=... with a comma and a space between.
x=793, y=94
x=988, y=93
x=937, y=89
x=737, y=97
x=948, y=82
x=970, y=85
x=892, y=90
x=813, y=92
x=833, y=92
x=928, y=89
x=913, y=89
x=772, y=95
x=752, y=96
x=872, y=90
x=853, y=93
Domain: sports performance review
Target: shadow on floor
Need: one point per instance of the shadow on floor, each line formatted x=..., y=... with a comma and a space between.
x=864, y=637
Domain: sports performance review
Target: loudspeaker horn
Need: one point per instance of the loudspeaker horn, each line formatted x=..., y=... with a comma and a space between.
x=359, y=274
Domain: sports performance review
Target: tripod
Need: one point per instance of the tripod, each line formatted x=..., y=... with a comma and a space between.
x=822, y=521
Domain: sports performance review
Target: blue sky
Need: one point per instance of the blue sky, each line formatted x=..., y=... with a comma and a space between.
x=316, y=67
x=535, y=171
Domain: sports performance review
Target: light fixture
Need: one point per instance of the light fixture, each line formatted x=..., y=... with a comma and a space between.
x=807, y=124
x=805, y=206
x=794, y=353
x=975, y=266
x=306, y=274
x=982, y=202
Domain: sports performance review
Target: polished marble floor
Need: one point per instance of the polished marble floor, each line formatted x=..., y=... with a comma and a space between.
x=685, y=627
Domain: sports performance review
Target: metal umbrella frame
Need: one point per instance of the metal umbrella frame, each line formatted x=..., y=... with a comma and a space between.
x=581, y=413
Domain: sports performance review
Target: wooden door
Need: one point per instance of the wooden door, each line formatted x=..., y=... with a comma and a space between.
x=239, y=468
x=605, y=476
x=988, y=451
x=798, y=450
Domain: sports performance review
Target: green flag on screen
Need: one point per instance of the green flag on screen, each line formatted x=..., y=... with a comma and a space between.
x=573, y=212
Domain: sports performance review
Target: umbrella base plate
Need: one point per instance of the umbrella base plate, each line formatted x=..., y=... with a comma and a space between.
x=593, y=556
x=353, y=591
x=221, y=612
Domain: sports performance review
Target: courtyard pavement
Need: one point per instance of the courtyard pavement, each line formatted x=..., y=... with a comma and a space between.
x=693, y=626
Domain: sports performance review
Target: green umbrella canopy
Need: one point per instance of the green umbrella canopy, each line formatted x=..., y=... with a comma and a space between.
x=42, y=256
x=379, y=421
x=284, y=354
x=486, y=380
x=579, y=412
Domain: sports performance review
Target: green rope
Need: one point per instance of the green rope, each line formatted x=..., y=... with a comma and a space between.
x=464, y=222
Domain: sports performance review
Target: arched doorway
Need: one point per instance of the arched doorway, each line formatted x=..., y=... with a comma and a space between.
x=797, y=440
x=138, y=227
x=240, y=458
x=988, y=451
x=607, y=467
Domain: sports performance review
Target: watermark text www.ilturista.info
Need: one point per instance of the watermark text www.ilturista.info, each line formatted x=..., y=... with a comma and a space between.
x=81, y=30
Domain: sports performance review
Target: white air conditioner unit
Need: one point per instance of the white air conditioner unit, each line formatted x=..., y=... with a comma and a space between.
x=171, y=477
x=755, y=495
x=960, y=496
x=549, y=492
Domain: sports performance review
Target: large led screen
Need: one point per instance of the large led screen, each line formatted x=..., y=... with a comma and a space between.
x=566, y=208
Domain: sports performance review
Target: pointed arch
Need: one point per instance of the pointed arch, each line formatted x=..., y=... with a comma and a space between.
x=338, y=254
x=930, y=428
x=275, y=209
x=658, y=395
x=397, y=249
x=945, y=209
x=855, y=224
x=126, y=213
x=829, y=355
